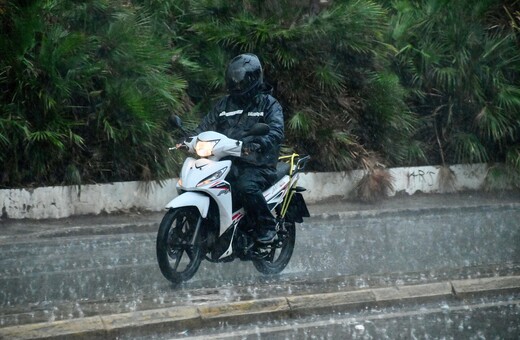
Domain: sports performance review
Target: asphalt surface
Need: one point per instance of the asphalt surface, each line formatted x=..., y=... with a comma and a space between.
x=258, y=306
x=136, y=221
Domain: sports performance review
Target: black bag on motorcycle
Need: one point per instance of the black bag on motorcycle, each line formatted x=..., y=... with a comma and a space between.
x=297, y=210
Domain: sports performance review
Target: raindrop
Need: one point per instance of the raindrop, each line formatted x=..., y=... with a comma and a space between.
x=360, y=328
x=80, y=311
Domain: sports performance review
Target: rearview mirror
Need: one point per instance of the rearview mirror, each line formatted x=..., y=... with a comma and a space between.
x=175, y=121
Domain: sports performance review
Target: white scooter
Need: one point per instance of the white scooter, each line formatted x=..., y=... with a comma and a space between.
x=201, y=223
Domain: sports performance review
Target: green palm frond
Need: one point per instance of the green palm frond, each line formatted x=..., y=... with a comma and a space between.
x=465, y=67
x=446, y=77
x=301, y=123
x=415, y=153
x=355, y=25
x=494, y=123
x=390, y=126
x=508, y=97
x=328, y=78
x=12, y=128
x=50, y=137
x=513, y=158
x=286, y=57
x=467, y=148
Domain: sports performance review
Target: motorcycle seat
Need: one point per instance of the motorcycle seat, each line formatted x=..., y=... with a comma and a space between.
x=282, y=169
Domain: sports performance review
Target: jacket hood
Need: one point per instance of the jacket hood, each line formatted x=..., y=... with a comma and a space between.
x=265, y=88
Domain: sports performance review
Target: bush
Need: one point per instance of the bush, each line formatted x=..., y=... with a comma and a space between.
x=86, y=89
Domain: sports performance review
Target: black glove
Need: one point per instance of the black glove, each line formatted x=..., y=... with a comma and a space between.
x=181, y=143
x=255, y=139
x=251, y=147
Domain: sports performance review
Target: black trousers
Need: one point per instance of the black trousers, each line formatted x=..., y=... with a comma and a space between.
x=247, y=184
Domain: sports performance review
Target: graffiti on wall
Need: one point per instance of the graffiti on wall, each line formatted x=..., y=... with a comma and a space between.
x=473, y=172
x=420, y=178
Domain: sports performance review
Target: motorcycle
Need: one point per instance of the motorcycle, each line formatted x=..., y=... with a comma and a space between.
x=201, y=222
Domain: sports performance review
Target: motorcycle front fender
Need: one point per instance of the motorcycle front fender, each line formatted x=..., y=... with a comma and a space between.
x=191, y=199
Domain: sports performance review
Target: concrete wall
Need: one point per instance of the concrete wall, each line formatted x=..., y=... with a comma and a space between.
x=64, y=201
x=324, y=185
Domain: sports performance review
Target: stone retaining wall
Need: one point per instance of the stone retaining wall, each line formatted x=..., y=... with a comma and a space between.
x=65, y=201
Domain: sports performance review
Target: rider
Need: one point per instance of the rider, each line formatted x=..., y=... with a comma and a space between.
x=249, y=102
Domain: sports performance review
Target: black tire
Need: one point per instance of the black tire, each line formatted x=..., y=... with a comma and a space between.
x=174, y=240
x=279, y=257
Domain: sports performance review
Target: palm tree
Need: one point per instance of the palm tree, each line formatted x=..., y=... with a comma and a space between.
x=86, y=87
x=325, y=67
x=464, y=73
x=86, y=94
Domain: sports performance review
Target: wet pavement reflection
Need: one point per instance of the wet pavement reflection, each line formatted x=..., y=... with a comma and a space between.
x=67, y=277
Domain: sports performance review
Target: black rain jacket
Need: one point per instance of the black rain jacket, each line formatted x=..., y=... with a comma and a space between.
x=232, y=118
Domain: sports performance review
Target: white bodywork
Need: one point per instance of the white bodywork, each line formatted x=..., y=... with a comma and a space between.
x=203, y=178
x=188, y=199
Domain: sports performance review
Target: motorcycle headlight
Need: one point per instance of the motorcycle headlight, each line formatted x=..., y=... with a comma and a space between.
x=213, y=177
x=205, y=148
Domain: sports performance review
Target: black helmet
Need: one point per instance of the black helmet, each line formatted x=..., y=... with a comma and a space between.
x=244, y=75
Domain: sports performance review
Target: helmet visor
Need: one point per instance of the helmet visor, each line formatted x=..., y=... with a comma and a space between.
x=239, y=82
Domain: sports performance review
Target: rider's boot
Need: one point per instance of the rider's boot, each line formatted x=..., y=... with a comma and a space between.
x=266, y=236
x=266, y=232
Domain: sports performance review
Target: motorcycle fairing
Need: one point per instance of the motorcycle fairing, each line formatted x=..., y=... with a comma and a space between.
x=188, y=198
x=276, y=193
x=223, y=246
x=223, y=146
x=195, y=171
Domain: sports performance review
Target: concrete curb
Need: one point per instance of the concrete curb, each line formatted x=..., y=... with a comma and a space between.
x=345, y=215
x=178, y=318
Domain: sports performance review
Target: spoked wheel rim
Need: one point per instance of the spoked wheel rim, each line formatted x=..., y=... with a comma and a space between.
x=279, y=247
x=178, y=257
x=278, y=255
x=179, y=243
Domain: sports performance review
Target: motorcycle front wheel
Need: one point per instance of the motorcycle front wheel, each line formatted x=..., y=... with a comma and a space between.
x=179, y=259
x=279, y=255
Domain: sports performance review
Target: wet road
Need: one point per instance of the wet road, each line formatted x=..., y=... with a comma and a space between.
x=65, y=277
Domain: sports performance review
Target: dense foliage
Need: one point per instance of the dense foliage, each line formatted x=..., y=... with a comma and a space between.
x=464, y=76
x=85, y=89
x=86, y=86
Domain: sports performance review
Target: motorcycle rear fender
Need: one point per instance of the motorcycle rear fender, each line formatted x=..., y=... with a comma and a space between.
x=188, y=199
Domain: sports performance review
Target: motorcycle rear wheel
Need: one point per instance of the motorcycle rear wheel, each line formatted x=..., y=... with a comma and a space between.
x=178, y=259
x=278, y=257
